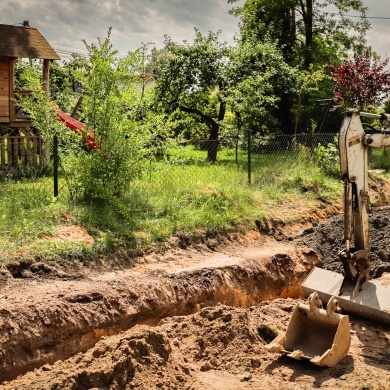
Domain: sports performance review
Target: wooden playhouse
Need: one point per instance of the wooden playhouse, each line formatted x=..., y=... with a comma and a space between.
x=20, y=143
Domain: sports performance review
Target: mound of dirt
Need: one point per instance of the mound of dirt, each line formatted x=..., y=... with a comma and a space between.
x=216, y=348
x=44, y=320
x=327, y=239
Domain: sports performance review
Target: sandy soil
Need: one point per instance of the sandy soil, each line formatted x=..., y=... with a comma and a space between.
x=217, y=348
x=194, y=316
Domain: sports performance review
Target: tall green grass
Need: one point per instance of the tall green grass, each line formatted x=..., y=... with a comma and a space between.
x=180, y=193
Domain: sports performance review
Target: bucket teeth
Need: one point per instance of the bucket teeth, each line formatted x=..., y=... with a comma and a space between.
x=297, y=355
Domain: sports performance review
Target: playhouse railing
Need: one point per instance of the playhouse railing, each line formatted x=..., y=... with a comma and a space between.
x=22, y=150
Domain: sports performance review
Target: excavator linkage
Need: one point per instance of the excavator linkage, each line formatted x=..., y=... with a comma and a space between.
x=323, y=337
x=371, y=302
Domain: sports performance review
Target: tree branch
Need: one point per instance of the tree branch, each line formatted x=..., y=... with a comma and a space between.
x=205, y=117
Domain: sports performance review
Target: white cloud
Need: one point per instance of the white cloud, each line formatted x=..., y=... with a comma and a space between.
x=379, y=40
x=379, y=35
x=66, y=23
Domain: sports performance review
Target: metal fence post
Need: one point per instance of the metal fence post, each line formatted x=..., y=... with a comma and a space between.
x=249, y=156
x=55, y=165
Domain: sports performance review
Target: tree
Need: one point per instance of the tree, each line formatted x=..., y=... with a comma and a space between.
x=115, y=113
x=307, y=81
x=194, y=80
x=115, y=109
x=301, y=27
x=258, y=74
x=361, y=80
x=158, y=60
x=308, y=34
x=273, y=20
x=206, y=78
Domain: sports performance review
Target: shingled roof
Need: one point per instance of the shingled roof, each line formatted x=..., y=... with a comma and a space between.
x=24, y=42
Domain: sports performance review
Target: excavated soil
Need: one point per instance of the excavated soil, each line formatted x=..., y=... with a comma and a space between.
x=327, y=239
x=190, y=317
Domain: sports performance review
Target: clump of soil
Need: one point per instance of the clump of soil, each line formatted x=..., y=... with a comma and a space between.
x=74, y=233
x=327, y=239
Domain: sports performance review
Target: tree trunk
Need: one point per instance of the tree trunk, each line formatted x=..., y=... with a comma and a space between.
x=307, y=13
x=212, y=143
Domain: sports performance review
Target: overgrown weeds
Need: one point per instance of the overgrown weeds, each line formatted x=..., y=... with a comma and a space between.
x=172, y=198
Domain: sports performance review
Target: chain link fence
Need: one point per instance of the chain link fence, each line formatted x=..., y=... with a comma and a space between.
x=180, y=164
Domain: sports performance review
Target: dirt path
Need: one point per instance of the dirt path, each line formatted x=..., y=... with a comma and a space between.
x=190, y=318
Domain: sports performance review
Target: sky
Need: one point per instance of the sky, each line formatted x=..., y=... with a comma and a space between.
x=66, y=23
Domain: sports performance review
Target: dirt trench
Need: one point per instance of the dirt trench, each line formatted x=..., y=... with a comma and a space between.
x=46, y=320
x=191, y=318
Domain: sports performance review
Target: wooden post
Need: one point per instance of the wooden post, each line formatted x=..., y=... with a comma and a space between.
x=55, y=166
x=12, y=105
x=36, y=152
x=45, y=76
x=2, y=143
x=29, y=148
x=77, y=106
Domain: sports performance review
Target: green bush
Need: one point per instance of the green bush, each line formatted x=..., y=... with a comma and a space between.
x=328, y=159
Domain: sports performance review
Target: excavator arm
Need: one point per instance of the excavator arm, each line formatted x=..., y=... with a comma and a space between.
x=323, y=336
x=353, y=167
x=356, y=293
x=353, y=151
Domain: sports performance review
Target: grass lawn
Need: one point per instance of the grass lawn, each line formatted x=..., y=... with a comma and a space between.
x=181, y=193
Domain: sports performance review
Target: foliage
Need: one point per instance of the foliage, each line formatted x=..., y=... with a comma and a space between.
x=361, y=80
x=304, y=28
x=115, y=113
x=258, y=73
x=205, y=80
x=309, y=34
x=328, y=159
x=41, y=110
x=379, y=158
x=386, y=105
x=60, y=79
x=307, y=82
x=157, y=62
x=194, y=80
x=24, y=71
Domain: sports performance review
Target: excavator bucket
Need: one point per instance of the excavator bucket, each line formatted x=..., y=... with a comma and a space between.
x=320, y=336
